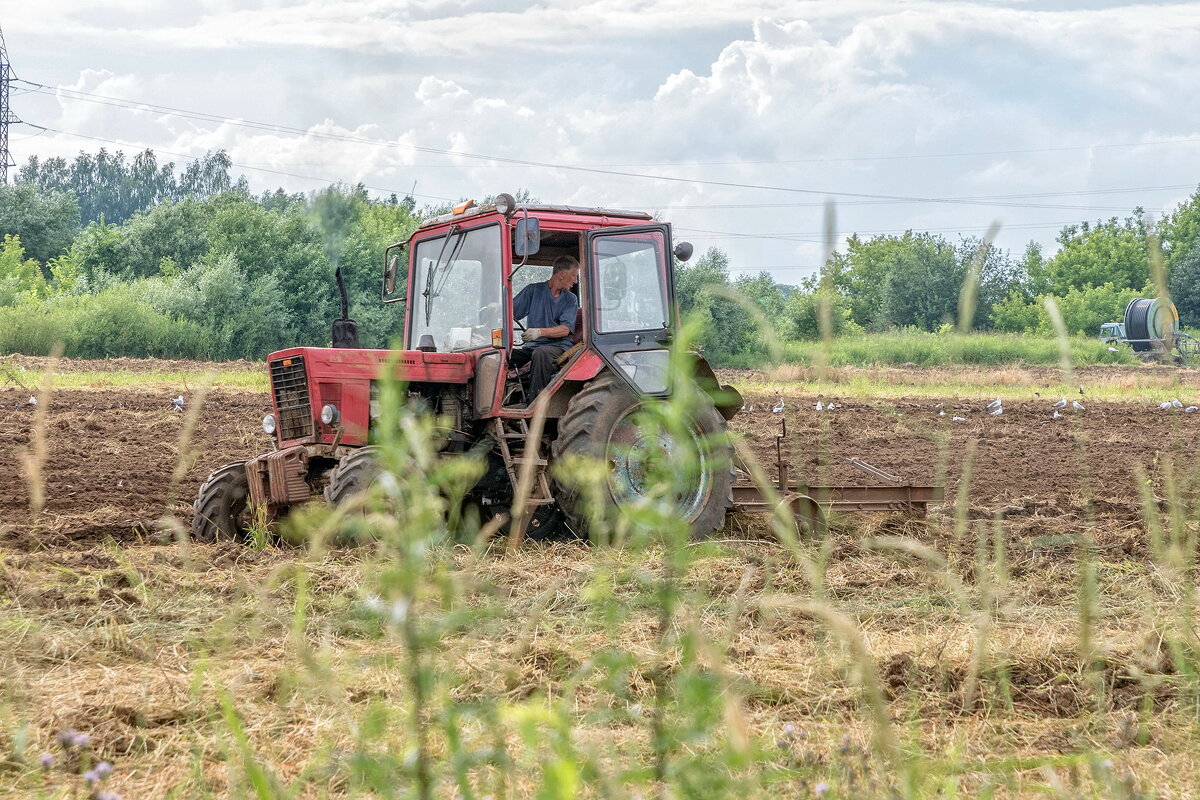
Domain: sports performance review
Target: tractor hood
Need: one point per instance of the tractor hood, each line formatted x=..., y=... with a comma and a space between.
x=306, y=380
x=411, y=366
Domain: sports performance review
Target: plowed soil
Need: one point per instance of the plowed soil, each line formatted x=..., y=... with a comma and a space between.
x=112, y=453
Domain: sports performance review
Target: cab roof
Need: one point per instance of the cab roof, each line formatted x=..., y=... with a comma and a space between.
x=532, y=208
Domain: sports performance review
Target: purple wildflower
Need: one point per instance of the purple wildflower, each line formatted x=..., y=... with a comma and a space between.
x=103, y=769
x=46, y=760
x=821, y=789
x=90, y=777
x=81, y=740
x=107, y=796
x=66, y=737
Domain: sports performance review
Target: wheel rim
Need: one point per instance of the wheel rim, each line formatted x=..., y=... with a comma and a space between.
x=633, y=454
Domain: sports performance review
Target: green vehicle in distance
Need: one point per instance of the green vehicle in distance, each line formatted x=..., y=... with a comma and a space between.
x=1112, y=332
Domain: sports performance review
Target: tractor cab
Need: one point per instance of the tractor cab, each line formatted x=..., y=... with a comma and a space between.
x=457, y=275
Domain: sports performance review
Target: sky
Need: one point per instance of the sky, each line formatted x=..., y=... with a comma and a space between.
x=740, y=123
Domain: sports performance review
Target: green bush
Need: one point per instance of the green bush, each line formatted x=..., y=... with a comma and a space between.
x=112, y=323
x=1083, y=310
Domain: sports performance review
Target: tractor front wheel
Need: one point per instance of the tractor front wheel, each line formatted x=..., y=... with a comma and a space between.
x=600, y=424
x=352, y=476
x=222, y=511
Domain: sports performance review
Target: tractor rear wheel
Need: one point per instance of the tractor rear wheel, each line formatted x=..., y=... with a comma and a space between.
x=599, y=424
x=352, y=476
x=222, y=510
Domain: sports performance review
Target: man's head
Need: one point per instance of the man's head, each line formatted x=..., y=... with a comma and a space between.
x=565, y=274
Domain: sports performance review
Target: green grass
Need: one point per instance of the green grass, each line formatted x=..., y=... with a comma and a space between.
x=939, y=350
x=239, y=379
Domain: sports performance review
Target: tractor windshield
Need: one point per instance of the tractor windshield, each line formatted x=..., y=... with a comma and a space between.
x=456, y=289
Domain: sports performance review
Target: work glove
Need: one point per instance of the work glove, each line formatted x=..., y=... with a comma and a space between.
x=529, y=334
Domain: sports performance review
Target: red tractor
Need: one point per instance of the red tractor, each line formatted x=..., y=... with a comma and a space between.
x=463, y=270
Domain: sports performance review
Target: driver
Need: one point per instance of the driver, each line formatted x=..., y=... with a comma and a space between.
x=550, y=308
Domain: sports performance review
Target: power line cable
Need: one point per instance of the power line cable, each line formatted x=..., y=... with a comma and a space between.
x=271, y=127
x=45, y=89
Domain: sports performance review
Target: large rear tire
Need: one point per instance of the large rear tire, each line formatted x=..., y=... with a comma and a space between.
x=222, y=511
x=599, y=424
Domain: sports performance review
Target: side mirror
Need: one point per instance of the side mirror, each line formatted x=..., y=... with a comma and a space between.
x=391, y=274
x=396, y=272
x=683, y=251
x=527, y=238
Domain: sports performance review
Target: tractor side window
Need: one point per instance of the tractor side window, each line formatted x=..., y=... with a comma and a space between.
x=631, y=272
x=456, y=289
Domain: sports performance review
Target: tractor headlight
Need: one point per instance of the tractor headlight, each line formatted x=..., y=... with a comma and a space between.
x=330, y=415
x=269, y=424
x=646, y=369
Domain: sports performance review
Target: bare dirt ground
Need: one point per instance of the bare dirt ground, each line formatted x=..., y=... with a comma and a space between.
x=111, y=455
x=112, y=452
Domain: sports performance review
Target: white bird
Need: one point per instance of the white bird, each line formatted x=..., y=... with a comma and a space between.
x=958, y=419
x=1056, y=415
x=1164, y=406
x=779, y=408
x=751, y=408
x=997, y=412
x=1113, y=350
x=819, y=406
x=177, y=403
x=743, y=406
x=1061, y=403
x=1190, y=409
x=1078, y=406
x=941, y=413
x=32, y=400
x=995, y=403
x=1175, y=402
x=939, y=405
x=830, y=407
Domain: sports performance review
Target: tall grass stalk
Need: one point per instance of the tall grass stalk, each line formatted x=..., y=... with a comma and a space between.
x=35, y=458
x=1088, y=591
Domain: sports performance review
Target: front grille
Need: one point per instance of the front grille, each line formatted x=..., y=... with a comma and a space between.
x=290, y=384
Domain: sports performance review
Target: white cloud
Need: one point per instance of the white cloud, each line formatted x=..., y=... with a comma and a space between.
x=803, y=86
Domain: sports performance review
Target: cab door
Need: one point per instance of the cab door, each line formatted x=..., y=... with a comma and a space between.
x=631, y=290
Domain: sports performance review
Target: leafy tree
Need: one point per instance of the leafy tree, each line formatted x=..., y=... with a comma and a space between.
x=801, y=314
x=45, y=220
x=20, y=278
x=1083, y=310
x=101, y=251
x=1184, y=285
x=1116, y=252
x=177, y=230
x=859, y=274
x=765, y=293
x=702, y=289
x=999, y=275
x=106, y=186
x=924, y=278
x=1179, y=231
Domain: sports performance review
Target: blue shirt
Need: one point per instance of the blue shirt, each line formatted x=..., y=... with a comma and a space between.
x=544, y=310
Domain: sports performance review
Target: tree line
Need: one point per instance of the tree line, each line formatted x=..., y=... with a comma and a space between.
x=913, y=281
x=130, y=257
x=126, y=258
